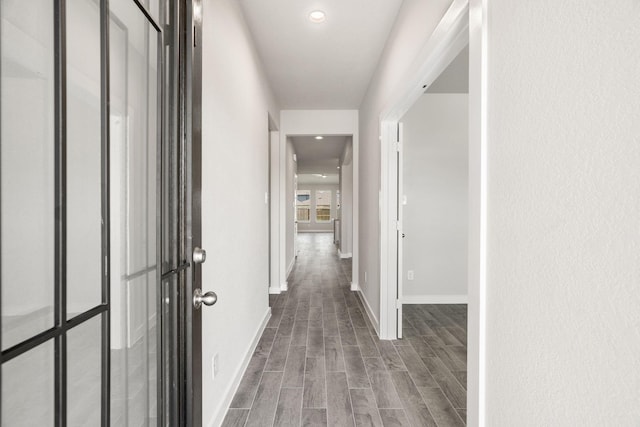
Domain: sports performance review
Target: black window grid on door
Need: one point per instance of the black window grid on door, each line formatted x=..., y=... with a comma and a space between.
x=57, y=334
x=62, y=325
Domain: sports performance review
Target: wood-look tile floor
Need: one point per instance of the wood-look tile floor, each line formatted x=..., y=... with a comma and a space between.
x=319, y=361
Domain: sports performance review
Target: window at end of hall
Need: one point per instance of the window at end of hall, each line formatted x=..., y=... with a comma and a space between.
x=323, y=206
x=303, y=205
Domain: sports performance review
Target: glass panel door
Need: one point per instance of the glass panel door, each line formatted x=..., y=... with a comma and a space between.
x=53, y=213
x=98, y=160
x=79, y=306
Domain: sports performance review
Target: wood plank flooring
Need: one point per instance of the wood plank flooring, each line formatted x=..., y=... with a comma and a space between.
x=319, y=362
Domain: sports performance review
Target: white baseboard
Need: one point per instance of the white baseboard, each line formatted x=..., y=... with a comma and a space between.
x=290, y=267
x=435, y=299
x=284, y=286
x=274, y=290
x=372, y=317
x=218, y=416
x=344, y=255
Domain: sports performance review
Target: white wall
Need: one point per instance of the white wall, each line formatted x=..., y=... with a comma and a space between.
x=415, y=22
x=346, y=200
x=563, y=273
x=236, y=100
x=435, y=183
x=312, y=225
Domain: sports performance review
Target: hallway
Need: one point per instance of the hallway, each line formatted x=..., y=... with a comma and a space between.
x=319, y=361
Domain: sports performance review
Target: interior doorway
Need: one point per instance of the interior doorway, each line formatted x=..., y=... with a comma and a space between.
x=463, y=24
x=450, y=38
x=312, y=126
x=433, y=192
x=323, y=188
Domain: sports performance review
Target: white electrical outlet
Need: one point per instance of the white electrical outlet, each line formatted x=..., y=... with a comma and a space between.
x=365, y=277
x=214, y=366
x=410, y=275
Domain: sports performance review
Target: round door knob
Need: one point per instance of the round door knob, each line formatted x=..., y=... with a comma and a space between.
x=199, y=255
x=208, y=298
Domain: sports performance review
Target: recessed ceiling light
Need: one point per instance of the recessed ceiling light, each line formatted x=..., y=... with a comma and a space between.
x=324, y=176
x=338, y=167
x=317, y=16
x=319, y=137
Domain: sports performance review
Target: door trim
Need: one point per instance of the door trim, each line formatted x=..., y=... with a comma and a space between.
x=192, y=115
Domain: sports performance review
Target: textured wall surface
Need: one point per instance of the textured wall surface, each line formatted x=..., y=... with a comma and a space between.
x=563, y=302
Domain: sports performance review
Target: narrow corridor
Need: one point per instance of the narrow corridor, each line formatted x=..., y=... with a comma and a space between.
x=319, y=361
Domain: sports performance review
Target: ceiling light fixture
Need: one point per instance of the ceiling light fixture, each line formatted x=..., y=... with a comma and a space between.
x=324, y=176
x=317, y=16
x=319, y=137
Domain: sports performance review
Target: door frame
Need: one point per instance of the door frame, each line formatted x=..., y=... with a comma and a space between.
x=400, y=228
x=191, y=114
x=464, y=22
x=295, y=208
x=184, y=138
x=274, y=212
x=310, y=123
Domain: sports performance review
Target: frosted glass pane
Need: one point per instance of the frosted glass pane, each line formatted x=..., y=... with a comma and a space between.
x=84, y=374
x=154, y=9
x=84, y=216
x=27, y=168
x=133, y=152
x=153, y=141
x=28, y=388
x=134, y=355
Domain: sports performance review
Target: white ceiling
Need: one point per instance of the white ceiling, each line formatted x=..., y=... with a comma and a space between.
x=318, y=156
x=320, y=66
